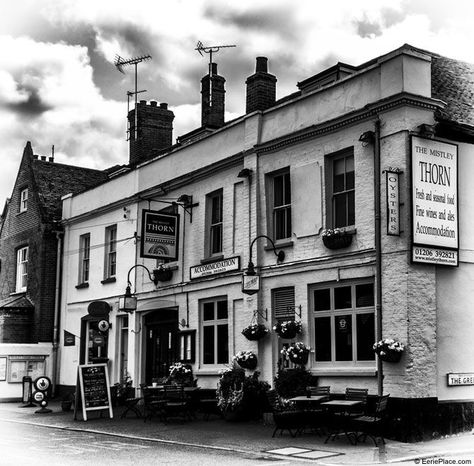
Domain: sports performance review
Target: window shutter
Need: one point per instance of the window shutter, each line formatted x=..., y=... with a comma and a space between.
x=284, y=303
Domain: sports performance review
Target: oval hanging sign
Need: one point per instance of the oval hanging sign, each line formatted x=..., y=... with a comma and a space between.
x=103, y=325
x=98, y=309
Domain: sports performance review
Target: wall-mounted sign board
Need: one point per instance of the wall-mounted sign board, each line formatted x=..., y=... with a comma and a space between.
x=435, y=223
x=215, y=268
x=93, y=389
x=456, y=379
x=3, y=368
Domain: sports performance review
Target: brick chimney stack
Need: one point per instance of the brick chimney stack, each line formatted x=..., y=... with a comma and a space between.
x=261, y=88
x=155, y=130
x=212, y=111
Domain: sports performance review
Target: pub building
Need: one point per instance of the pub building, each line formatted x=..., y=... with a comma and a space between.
x=344, y=206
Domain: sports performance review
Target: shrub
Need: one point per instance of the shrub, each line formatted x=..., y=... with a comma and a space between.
x=293, y=382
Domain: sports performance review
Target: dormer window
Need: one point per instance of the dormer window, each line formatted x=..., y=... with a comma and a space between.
x=24, y=200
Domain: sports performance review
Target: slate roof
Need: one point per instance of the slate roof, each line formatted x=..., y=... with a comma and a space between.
x=16, y=302
x=453, y=82
x=54, y=180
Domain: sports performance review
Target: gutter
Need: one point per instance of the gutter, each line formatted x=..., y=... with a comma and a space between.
x=57, y=295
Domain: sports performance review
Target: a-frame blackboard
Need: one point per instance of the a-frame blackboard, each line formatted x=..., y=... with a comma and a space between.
x=94, y=389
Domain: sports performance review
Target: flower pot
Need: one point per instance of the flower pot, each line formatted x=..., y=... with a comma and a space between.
x=391, y=356
x=300, y=359
x=288, y=334
x=259, y=333
x=66, y=405
x=250, y=364
x=337, y=241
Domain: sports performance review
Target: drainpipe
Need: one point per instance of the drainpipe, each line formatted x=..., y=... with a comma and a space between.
x=57, y=294
x=378, y=251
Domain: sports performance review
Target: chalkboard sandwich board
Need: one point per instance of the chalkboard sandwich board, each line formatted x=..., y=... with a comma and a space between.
x=94, y=388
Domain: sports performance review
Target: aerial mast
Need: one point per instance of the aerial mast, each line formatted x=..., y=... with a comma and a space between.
x=210, y=50
x=120, y=63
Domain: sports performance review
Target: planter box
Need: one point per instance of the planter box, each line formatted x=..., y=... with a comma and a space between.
x=337, y=241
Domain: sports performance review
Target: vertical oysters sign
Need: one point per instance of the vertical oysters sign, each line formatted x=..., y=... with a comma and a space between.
x=434, y=201
x=160, y=235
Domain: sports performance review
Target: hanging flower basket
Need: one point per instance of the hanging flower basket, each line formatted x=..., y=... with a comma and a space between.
x=335, y=238
x=163, y=274
x=246, y=360
x=255, y=332
x=389, y=350
x=288, y=329
x=297, y=353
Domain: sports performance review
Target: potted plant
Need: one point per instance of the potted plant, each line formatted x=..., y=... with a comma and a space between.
x=255, y=331
x=123, y=390
x=240, y=397
x=67, y=401
x=246, y=360
x=336, y=238
x=181, y=374
x=288, y=328
x=389, y=350
x=297, y=353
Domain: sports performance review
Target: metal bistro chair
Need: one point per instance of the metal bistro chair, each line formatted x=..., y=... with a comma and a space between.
x=316, y=417
x=153, y=402
x=291, y=420
x=357, y=394
x=177, y=404
x=371, y=425
x=319, y=391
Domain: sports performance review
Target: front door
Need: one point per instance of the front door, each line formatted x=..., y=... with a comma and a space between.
x=161, y=343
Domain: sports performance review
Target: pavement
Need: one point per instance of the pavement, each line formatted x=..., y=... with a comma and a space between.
x=254, y=437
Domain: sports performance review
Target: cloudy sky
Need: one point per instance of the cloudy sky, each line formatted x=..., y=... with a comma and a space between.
x=58, y=84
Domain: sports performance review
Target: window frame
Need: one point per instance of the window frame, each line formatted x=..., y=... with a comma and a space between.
x=110, y=259
x=213, y=323
x=332, y=313
x=21, y=275
x=212, y=225
x=23, y=200
x=331, y=215
x=84, y=258
x=273, y=210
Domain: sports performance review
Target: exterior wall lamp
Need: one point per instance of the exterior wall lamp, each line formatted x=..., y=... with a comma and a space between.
x=367, y=138
x=128, y=302
x=427, y=131
x=250, y=279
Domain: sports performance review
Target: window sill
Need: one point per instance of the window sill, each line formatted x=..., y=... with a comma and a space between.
x=82, y=285
x=279, y=245
x=215, y=371
x=347, y=230
x=108, y=280
x=18, y=293
x=208, y=260
x=346, y=372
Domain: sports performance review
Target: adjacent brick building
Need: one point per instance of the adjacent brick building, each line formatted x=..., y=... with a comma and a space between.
x=30, y=238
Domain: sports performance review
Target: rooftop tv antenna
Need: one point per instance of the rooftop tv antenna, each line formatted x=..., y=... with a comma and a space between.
x=210, y=50
x=120, y=63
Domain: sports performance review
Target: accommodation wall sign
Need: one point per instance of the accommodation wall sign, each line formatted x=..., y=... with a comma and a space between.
x=214, y=268
x=435, y=224
x=159, y=235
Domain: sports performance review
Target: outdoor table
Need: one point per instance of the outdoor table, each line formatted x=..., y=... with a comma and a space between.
x=308, y=401
x=341, y=410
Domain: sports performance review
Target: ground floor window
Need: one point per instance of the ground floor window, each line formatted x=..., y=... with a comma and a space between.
x=343, y=322
x=214, y=331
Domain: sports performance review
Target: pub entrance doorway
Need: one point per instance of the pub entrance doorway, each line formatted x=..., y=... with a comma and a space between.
x=161, y=343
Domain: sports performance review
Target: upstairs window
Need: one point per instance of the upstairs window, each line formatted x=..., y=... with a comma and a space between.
x=215, y=332
x=215, y=224
x=342, y=191
x=84, y=254
x=24, y=200
x=21, y=269
x=281, y=206
x=111, y=251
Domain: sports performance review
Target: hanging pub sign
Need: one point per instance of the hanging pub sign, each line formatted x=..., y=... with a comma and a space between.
x=435, y=223
x=159, y=235
x=69, y=338
x=393, y=202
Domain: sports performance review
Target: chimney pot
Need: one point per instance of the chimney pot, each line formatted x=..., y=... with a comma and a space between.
x=153, y=103
x=43, y=157
x=51, y=159
x=143, y=102
x=262, y=65
x=164, y=105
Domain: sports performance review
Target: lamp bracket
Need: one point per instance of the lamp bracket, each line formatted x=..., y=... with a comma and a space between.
x=263, y=313
x=295, y=309
x=279, y=254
